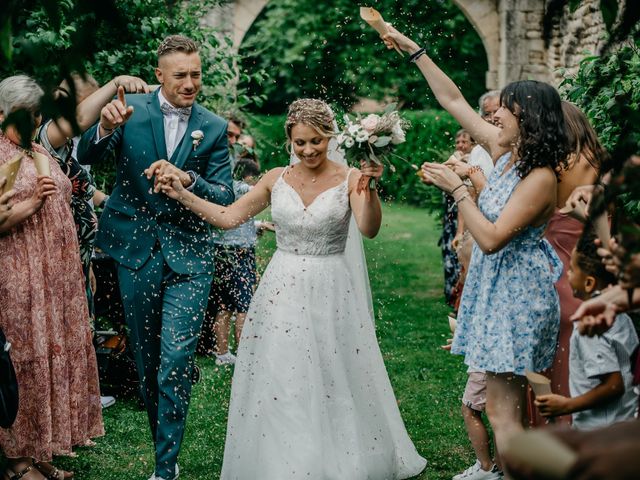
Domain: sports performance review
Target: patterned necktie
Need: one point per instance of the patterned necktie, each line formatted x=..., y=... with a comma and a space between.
x=182, y=113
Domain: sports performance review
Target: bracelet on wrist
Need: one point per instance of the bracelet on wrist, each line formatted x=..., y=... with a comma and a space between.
x=474, y=169
x=457, y=188
x=462, y=197
x=417, y=54
x=106, y=129
x=115, y=82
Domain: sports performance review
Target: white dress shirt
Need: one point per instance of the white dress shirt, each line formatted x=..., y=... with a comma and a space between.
x=174, y=128
x=479, y=156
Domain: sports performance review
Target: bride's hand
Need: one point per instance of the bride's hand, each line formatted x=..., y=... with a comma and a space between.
x=441, y=176
x=371, y=169
x=404, y=43
x=171, y=186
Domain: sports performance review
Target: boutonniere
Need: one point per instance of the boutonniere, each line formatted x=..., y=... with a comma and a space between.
x=197, y=136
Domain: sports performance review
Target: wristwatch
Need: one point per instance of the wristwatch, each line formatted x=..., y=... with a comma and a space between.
x=193, y=176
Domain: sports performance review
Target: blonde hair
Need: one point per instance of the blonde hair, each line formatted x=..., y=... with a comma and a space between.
x=312, y=112
x=176, y=43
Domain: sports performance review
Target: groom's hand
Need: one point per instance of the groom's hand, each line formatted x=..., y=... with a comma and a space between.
x=115, y=113
x=164, y=172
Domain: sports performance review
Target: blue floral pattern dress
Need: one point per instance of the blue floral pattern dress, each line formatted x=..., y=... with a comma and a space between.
x=509, y=314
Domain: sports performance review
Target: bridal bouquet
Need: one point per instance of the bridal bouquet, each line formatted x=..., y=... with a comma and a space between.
x=373, y=139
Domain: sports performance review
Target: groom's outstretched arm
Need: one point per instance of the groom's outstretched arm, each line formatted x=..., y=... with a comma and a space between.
x=215, y=184
x=105, y=136
x=91, y=150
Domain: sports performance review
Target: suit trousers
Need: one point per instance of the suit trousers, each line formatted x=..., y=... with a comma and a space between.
x=164, y=312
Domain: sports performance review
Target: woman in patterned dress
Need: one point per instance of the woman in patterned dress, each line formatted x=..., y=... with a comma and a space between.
x=43, y=307
x=509, y=314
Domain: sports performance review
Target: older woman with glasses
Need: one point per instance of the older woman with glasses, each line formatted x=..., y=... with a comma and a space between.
x=43, y=307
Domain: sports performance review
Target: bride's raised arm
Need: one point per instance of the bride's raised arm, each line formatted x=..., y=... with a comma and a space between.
x=448, y=95
x=225, y=217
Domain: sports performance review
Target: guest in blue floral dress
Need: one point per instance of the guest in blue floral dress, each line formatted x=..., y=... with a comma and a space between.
x=509, y=314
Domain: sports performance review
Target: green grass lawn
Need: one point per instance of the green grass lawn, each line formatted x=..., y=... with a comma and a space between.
x=406, y=280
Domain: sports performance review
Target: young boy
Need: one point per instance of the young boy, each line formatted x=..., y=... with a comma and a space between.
x=600, y=377
x=235, y=277
x=474, y=400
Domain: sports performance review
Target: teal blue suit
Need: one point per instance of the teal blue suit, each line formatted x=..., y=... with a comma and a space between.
x=164, y=255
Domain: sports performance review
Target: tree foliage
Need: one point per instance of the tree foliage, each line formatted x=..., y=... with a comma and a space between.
x=608, y=90
x=324, y=49
x=49, y=39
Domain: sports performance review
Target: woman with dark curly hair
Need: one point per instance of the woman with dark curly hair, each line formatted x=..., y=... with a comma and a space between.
x=509, y=313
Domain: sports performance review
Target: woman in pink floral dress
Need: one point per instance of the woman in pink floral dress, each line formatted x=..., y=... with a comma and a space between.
x=43, y=308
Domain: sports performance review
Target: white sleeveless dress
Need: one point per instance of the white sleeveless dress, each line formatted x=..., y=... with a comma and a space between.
x=311, y=397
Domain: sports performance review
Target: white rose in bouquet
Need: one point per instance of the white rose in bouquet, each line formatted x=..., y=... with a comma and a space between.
x=353, y=129
x=397, y=134
x=362, y=136
x=349, y=142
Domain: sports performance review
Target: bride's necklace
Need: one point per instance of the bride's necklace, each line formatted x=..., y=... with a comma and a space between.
x=307, y=181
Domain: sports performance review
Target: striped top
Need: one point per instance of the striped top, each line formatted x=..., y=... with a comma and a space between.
x=592, y=357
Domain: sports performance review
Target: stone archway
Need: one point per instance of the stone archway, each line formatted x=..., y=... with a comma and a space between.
x=245, y=14
x=235, y=19
x=510, y=30
x=483, y=15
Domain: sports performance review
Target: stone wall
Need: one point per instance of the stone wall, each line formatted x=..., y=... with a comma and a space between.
x=483, y=15
x=522, y=52
x=577, y=35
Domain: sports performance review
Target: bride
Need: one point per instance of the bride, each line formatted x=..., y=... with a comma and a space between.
x=310, y=398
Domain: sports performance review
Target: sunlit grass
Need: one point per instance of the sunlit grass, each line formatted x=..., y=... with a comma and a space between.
x=406, y=280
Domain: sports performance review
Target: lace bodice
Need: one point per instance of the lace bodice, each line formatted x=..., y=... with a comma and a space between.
x=318, y=229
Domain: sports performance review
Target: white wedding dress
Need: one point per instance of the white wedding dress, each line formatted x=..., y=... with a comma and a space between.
x=311, y=397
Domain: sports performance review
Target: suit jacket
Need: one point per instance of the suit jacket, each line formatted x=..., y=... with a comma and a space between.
x=135, y=218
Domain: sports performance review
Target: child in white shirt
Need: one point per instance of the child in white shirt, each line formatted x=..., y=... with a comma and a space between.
x=600, y=376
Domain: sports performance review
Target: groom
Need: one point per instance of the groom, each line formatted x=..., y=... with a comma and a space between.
x=164, y=252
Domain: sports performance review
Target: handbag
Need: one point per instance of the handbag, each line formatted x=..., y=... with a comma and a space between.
x=116, y=366
x=8, y=385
